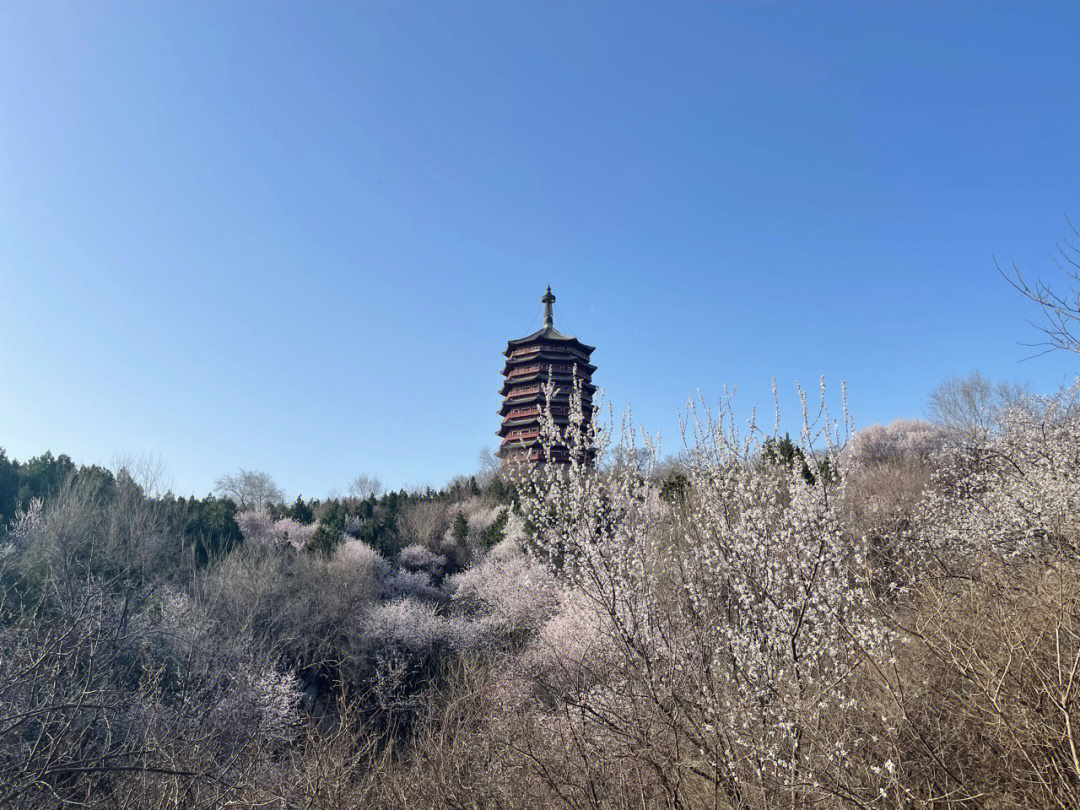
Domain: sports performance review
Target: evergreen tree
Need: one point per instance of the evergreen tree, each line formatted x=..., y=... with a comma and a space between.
x=300, y=512
x=460, y=529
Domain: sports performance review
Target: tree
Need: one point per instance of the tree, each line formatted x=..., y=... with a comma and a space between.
x=786, y=453
x=249, y=489
x=365, y=486
x=459, y=530
x=970, y=408
x=209, y=527
x=496, y=532
x=300, y=512
x=1061, y=311
x=9, y=489
x=487, y=461
x=42, y=477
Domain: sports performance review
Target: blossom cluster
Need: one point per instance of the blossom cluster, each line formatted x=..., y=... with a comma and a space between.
x=900, y=440
x=746, y=604
x=1015, y=496
x=257, y=526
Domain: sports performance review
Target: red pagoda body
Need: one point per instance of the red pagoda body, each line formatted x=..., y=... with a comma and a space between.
x=530, y=362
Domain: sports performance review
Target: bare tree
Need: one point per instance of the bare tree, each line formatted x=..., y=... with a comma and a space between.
x=1062, y=311
x=249, y=489
x=487, y=461
x=365, y=486
x=148, y=471
x=971, y=407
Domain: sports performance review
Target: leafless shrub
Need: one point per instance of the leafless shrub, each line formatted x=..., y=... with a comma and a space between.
x=299, y=606
x=888, y=471
x=105, y=699
x=423, y=523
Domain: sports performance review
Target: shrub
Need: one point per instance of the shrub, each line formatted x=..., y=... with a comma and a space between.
x=888, y=473
x=1019, y=497
x=514, y=593
x=495, y=532
x=747, y=608
x=362, y=561
x=421, y=558
x=258, y=526
x=423, y=523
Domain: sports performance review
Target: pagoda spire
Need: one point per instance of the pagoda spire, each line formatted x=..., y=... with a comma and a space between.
x=547, y=301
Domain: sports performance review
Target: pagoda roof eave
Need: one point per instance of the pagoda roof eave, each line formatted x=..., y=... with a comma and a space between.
x=549, y=333
x=554, y=356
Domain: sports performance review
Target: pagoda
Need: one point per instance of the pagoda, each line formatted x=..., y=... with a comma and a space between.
x=530, y=362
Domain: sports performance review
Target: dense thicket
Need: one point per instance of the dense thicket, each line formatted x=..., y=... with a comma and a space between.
x=765, y=621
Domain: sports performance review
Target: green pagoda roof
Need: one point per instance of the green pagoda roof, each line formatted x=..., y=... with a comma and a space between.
x=548, y=330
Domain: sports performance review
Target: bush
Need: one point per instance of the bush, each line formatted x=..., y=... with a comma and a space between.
x=512, y=593
x=900, y=628
x=116, y=690
x=423, y=523
x=421, y=558
x=496, y=532
x=747, y=608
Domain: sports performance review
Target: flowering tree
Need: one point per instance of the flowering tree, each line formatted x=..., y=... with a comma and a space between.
x=1019, y=496
x=984, y=696
x=257, y=526
x=737, y=615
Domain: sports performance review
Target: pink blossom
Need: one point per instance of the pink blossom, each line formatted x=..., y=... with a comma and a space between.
x=515, y=594
x=361, y=560
x=420, y=558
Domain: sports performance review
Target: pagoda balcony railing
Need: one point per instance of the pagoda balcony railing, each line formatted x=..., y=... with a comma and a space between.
x=537, y=367
x=521, y=454
x=556, y=349
x=554, y=369
x=523, y=370
x=518, y=413
x=517, y=393
x=535, y=454
x=521, y=435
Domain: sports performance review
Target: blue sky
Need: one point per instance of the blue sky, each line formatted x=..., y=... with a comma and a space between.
x=295, y=237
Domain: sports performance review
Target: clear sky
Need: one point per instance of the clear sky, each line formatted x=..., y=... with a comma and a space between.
x=295, y=237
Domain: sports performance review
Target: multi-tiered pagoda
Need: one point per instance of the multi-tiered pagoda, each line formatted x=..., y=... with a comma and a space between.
x=530, y=362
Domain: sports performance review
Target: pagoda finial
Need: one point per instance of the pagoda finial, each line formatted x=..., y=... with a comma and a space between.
x=548, y=300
